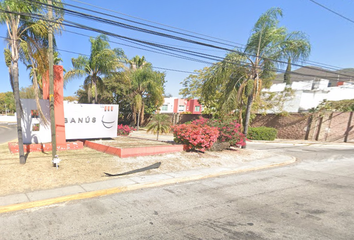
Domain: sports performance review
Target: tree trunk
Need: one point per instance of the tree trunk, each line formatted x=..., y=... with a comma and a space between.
x=287, y=74
x=94, y=100
x=142, y=113
x=137, y=126
x=51, y=84
x=157, y=138
x=248, y=115
x=95, y=93
x=18, y=112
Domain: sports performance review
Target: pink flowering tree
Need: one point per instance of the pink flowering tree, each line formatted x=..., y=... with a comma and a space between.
x=229, y=131
x=124, y=130
x=195, y=137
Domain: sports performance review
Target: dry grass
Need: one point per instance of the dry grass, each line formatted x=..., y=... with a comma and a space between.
x=87, y=165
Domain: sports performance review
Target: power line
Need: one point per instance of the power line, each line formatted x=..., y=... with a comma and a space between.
x=149, y=48
x=136, y=22
x=76, y=53
x=167, y=69
x=202, y=55
x=243, y=45
x=183, y=39
x=332, y=11
x=161, y=24
x=95, y=6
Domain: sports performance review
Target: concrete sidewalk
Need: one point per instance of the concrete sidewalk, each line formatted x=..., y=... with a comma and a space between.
x=121, y=184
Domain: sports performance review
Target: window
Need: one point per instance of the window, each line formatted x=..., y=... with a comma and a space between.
x=164, y=108
x=180, y=108
x=35, y=127
x=197, y=109
x=34, y=114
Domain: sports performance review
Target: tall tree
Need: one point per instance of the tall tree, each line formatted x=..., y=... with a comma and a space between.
x=102, y=62
x=241, y=73
x=147, y=87
x=297, y=47
x=7, y=102
x=21, y=27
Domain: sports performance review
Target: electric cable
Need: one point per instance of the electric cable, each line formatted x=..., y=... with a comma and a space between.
x=157, y=23
x=332, y=11
x=189, y=52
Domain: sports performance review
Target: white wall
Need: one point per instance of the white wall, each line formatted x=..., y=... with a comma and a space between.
x=276, y=87
x=311, y=99
x=29, y=136
x=291, y=104
x=82, y=121
x=309, y=94
x=341, y=93
x=305, y=85
x=170, y=104
x=8, y=119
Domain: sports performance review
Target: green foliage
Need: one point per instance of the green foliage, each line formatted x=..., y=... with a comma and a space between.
x=117, y=91
x=346, y=105
x=7, y=102
x=192, y=85
x=71, y=98
x=147, y=87
x=262, y=133
x=242, y=74
x=28, y=93
x=159, y=124
x=102, y=62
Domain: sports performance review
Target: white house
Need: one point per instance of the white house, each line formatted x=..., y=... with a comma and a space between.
x=309, y=94
x=168, y=105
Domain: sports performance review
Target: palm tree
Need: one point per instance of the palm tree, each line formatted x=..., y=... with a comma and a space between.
x=242, y=73
x=103, y=61
x=297, y=48
x=160, y=124
x=145, y=83
x=138, y=63
x=21, y=27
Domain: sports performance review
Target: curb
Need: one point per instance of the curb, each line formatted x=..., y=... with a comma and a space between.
x=109, y=191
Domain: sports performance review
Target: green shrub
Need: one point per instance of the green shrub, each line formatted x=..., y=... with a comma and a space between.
x=262, y=133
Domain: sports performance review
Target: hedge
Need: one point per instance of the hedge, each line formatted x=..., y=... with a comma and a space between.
x=262, y=133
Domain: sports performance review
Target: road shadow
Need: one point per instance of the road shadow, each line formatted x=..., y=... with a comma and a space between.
x=153, y=166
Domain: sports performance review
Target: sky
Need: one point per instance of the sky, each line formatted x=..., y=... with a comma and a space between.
x=331, y=36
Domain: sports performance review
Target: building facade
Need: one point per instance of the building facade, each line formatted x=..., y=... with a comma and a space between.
x=308, y=94
x=179, y=105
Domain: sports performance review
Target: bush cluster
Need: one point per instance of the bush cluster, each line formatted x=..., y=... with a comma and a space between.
x=229, y=131
x=195, y=137
x=201, y=134
x=124, y=130
x=262, y=133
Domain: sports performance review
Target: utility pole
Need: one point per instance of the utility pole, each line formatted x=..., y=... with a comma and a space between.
x=51, y=80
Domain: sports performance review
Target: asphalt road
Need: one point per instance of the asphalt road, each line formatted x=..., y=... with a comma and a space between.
x=7, y=132
x=312, y=199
